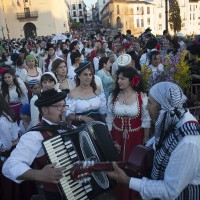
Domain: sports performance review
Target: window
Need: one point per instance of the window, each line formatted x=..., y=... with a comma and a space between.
x=193, y=16
x=118, y=9
x=190, y=16
x=27, y=12
x=159, y=26
x=148, y=21
x=193, y=7
x=80, y=13
x=142, y=22
x=142, y=10
x=74, y=13
x=104, y=1
x=190, y=7
x=73, y=6
x=183, y=25
x=148, y=10
x=131, y=10
x=160, y=15
x=80, y=6
x=138, y=23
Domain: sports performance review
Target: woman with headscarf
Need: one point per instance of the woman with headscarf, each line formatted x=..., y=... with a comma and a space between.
x=47, y=81
x=176, y=166
x=31, y=70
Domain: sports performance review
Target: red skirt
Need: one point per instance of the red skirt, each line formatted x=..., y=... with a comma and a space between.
x=10, y=190
x=16, y=109
x=127, y=143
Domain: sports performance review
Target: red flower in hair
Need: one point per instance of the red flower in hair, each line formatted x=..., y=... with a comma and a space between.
x=135, y=81
x=2, y=70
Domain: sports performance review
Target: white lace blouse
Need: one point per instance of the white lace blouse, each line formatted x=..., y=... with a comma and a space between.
x=81, y=105
x=127, y=110
x=9, y=132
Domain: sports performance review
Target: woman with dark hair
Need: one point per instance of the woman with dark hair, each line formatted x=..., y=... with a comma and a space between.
x=72, y=48
x=59, y=68
x=86, y=102
x=155, y=62
x=8, y=139
x=14, y=91
x=127, y=118
x=51, y=49
x=75, y=60
x=104, y=74
x=89, y=48
x=48, y=81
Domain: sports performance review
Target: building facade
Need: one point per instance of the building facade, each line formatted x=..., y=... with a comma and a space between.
x=77, y=11
x=25, y=18
x=139, y=15
x=124, y=15
x=190, y=16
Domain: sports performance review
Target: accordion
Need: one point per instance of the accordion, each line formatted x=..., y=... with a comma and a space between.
x=88, y=142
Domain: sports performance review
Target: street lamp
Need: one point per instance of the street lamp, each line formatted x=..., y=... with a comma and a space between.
x=166, y=15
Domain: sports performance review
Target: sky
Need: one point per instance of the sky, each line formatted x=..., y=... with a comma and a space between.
x=89, y=3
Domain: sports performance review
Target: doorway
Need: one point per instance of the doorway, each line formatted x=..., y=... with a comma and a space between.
x=29, y=30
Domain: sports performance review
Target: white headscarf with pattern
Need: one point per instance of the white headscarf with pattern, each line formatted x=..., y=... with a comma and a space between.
x=171, y=99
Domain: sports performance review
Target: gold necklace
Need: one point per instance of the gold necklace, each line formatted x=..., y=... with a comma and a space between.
x=125, y=99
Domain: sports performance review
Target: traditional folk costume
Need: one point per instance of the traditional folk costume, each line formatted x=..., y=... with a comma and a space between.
x=15, y=102
x=176, y=172
x=30, y=148
x=10, y=190
x=94, y=107
x=126, y=123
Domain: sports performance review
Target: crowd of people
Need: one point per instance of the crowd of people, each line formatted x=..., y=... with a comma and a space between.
x=95, y=77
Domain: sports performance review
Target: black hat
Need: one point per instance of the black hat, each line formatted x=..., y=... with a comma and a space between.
x=49, y=97
x=82, y=66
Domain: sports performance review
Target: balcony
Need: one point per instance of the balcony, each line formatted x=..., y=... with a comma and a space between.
x=26, y=15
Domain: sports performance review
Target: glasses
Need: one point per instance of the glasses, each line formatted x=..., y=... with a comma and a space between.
x=60, y=107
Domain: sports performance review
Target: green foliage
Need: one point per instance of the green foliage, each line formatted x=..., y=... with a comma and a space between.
x=75, y=24
x=174, y=16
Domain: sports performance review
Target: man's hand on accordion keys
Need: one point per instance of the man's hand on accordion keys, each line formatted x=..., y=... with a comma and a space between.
x=52, y=174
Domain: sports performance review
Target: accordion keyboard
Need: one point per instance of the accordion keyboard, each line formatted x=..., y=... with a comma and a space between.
x=64, y=154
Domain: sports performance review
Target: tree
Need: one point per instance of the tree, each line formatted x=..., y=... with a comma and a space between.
x=174, y=16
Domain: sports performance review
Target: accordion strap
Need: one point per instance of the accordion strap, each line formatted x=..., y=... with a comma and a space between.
x=41, y=128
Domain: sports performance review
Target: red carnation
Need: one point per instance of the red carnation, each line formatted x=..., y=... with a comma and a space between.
x=135, y=81
x=2, y=70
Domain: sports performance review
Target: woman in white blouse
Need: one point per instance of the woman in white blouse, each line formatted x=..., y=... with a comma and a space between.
x=14, y=91
x=59, y=68
x=9, y=130
x=127, y=118
x=31, y=71
x=86, y=102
